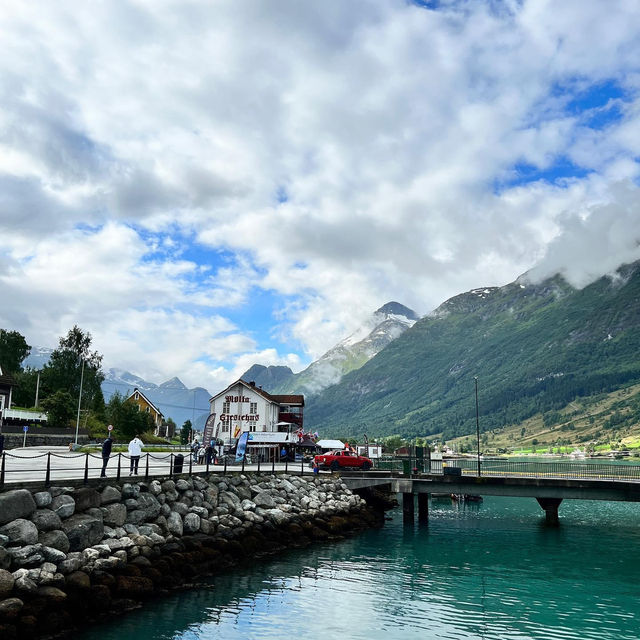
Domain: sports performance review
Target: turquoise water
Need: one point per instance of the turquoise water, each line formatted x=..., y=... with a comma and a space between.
x=490, y=571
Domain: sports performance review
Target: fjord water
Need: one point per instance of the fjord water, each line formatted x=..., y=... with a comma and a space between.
x=490, y=571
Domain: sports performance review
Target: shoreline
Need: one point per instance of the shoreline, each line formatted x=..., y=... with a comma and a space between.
x=129, y=543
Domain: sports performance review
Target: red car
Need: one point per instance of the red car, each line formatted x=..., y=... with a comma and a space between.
x=342, y=459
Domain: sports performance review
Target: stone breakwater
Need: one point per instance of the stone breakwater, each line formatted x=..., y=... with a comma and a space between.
x=69, y=556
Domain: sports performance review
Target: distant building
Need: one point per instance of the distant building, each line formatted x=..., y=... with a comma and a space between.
x=7, y=383
x=144, y=404
x=271, y=420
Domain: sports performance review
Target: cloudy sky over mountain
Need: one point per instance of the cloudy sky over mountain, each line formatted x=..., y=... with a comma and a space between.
x=204, y=185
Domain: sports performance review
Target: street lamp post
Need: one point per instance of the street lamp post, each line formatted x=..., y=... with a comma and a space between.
x=79, y=401
x=475, y=378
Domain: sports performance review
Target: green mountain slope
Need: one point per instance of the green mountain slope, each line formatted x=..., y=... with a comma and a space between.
x=534, y=348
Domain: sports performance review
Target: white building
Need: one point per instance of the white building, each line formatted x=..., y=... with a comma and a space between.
x=271, y=420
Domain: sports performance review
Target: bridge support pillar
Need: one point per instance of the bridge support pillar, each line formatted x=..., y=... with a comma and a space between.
x=423, y=508
x=550, y=506
x=408, y=507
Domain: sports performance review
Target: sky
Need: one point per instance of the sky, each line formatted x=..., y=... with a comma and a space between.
x=207, y=185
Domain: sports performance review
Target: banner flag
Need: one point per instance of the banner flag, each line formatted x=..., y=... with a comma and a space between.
x=242, y=446
x=208, y=429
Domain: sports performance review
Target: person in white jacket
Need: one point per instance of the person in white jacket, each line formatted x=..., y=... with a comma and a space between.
x=135, y=451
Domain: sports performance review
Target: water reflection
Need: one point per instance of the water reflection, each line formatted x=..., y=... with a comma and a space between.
x=477, y=571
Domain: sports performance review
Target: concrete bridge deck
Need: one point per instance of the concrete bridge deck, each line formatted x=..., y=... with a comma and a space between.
x=549, y=492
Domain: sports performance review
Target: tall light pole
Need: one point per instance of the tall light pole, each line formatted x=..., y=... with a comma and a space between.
x=79, y=401
x=477, y=424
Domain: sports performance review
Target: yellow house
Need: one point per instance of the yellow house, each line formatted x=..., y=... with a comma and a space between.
x=144, y=404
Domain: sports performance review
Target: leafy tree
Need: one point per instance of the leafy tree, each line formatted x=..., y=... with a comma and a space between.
x=60, y=408
x=185, y=432
x=24, y=395
x=126, y=417
x=65, y=369
x=13, y=350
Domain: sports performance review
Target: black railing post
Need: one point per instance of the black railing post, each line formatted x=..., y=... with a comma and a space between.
x=224, y=471
x=2, y=470
x=146, y=471
x=86, y=468
x=171, y=465
x=259, y=464
x=286, y=463
x=273, y=464
x=190, y=463
x=302, y=466
x=47, y=480
x=208, y=461
x=119, y=459
x=244, y=457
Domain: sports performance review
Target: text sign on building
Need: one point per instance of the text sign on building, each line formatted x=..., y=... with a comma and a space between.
x=269, y=437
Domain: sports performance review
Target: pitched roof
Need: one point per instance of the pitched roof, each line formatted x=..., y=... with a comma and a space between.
x=153, y=406
x=7, y=378
x=286, y=399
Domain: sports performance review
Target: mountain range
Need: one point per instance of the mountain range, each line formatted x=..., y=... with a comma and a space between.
x=534, y=347
x=376, y=332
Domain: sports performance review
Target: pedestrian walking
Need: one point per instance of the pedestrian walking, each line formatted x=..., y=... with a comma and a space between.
x=135, y=451
x=106, y=454
x=195, y=447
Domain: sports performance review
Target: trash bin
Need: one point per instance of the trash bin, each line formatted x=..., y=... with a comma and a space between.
x=178, y=462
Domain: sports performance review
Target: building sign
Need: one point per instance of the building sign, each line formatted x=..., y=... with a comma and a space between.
x=236, y=399
x=268, y=437
x=236, y=417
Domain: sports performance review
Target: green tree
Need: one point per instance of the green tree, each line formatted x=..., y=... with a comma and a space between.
x=185, y=432
x=65, y=369
x=126, y=417
x=13, y=350
x=60, y=408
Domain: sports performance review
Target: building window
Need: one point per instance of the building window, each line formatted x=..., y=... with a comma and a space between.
x=225, y=427
x=253, y=408
x=226, y=407
x=252, y=426
x=148, y=409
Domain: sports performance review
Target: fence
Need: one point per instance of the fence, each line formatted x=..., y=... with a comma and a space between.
x=49, y=466
x=587, y=469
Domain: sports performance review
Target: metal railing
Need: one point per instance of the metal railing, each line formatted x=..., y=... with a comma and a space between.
x=587, y=469
x=49, y=466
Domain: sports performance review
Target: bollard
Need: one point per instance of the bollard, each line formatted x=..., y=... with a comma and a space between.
x=273, y=465
x=47, y=480
x=118, y=474
x=171, y=465
x=146, y=471
x=190, y=463
x=2, y=470
x=86, y=468
x=258, y=465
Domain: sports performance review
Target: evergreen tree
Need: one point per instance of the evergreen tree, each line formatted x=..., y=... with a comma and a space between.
x=185, y=432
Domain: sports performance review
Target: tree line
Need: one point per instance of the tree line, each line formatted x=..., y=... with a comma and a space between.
x=71, y=364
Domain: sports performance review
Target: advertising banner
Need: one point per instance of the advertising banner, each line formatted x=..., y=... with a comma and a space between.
x=208, y=429
x=242, y=446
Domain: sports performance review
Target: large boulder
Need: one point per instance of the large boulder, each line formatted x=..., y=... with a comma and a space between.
x=147, y=508
x=20, y=532
x=16, y=504
x=174, y=524
x=46, y=520
x=191, y=523
x=264, y=499
x=86, y=498
x=6, y=583
x=114, y=515
x=42, y=499
x=55, y=539
x=64, y=505
x=110, y=495
x=83, y=531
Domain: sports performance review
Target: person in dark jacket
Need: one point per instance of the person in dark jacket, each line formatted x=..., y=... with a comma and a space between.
x=106, y=453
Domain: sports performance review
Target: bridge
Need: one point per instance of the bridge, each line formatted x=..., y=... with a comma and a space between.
x=549, y=484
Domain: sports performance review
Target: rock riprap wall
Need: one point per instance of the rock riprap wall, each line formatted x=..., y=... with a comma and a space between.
x=71, y=555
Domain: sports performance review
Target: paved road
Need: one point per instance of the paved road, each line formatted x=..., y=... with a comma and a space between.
x=30, y=465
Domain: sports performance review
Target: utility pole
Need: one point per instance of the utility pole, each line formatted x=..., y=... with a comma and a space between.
x=477, y=424
x=37, y=390
x=79, y=401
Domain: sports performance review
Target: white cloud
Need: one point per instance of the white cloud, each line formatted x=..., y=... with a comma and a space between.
x=131, y=130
